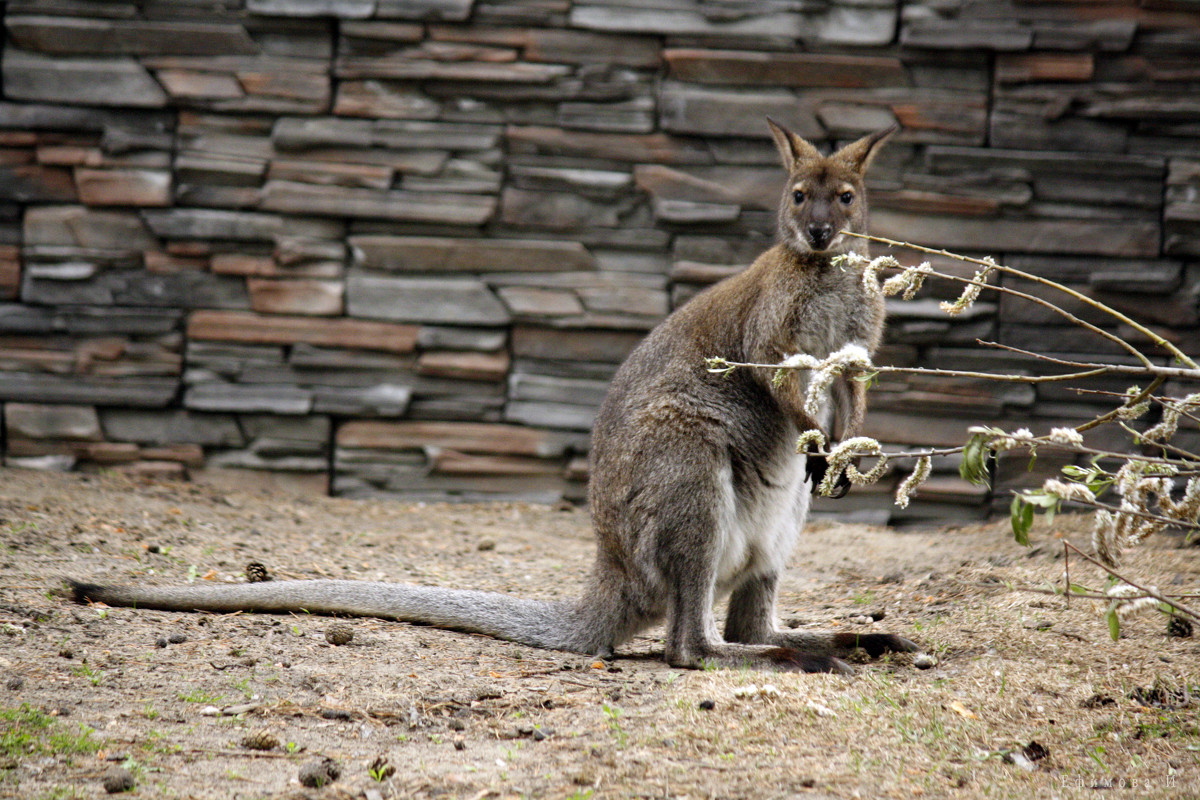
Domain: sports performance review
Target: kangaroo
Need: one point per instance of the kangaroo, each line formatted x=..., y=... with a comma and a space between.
x=696, y=490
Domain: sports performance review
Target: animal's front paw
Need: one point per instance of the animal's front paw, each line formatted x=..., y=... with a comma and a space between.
x=815, y=467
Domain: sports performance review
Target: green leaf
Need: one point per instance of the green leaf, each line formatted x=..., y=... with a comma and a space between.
x=1114, y=622
x=1022, y=520
x=1079, y=588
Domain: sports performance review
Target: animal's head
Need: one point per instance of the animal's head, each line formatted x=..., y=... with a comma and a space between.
x=823, y=194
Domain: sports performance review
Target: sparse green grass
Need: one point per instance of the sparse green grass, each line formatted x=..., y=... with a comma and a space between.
x=28, y=731
x=200, y=696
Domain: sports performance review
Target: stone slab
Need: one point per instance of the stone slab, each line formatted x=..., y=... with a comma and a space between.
x=444, y=254
x=424, y=300
x=232, y=326
x=117, y=81
x=426, y=207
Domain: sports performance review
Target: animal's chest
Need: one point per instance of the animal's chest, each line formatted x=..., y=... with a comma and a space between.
x=833, y=316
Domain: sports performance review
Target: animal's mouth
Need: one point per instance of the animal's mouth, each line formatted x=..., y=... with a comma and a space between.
x=823, y=244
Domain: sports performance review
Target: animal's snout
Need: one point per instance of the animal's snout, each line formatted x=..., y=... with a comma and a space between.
x=820, y=235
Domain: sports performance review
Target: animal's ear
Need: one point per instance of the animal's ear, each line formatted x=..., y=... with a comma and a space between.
x=792, y=149
x=859, y=154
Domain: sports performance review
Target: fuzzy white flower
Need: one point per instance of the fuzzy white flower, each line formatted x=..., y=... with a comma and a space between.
x=851, y=356
x=1069, y=490
x=1067, y=436
x=841, y=459
x=908, y=486
x=870, y=278
x=1132, y=412
x=810, y=436
x=971, y=292
x=801, y=360
x=909, y=282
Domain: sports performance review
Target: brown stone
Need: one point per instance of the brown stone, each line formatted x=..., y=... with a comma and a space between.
x=238, y=264
x=249, y=328
x=37, y=183
x=191, y=455
x=313, y=297
x=383, y=100
x=533, y=301
x=332, y=174
x=637, y=148
x=691, y=109
x=428, y=207
x=799, y=70
x=10, y=271
x=438, y=254
x=189, y=84
x=404, y=67
x=1069, y=236
x=464, y=366
x=465, y=437
x=123, y=187
x=1027, y=67
x=452, y=462
x=573, y=345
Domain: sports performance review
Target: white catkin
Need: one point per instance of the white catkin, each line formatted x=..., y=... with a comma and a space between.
x=1068, y=490
x=909, y=282
x=971, y=292
x=850, y=356
x=841, y=456
x=801, y=360
x=870, y=278
x=1067, y=436
x=1104, y=535
x=810, y=436
x=1130, y=607
x=909, y=485
x=1128, y=412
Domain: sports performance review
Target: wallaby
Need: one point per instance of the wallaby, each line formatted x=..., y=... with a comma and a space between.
x=696, y=490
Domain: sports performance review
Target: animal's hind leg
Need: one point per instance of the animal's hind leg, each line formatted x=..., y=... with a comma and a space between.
x=752, y=620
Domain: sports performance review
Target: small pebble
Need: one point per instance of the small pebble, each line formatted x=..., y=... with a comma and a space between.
x=486, y=544
x=456, y=725
x=177, y=638
x=117, y=780
x=459, y=744
x=707, y=705
x=339, y=634
x=924, y=661
x=66, y=652
x=14, y=682
x=160, y=641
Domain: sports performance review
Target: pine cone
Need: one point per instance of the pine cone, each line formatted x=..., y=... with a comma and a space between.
x=1179, y=627
x=259, y=740
x=256, y=572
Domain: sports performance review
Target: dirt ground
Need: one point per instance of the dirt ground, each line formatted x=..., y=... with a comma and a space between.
x=175, y=699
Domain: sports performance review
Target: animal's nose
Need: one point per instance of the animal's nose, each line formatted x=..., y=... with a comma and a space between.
x=820, y=234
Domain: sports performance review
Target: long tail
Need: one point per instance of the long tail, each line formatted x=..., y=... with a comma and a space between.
x=552, y=625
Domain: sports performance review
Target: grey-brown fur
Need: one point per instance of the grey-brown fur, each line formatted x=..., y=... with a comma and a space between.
x=696, y=491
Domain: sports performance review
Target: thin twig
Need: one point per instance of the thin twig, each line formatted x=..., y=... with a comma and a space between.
x=1117, y=315
x=1175, y=604
x=1067, y=568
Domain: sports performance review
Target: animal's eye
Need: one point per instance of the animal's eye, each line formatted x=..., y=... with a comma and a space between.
x=797, y=197
x=847, y=198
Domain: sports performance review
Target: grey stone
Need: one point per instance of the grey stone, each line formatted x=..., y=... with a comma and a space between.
x=551, y=415
x=436, y=254
x=342, y=9
x=382, y=400
x=293, y=133
x=241, y=226
x=428, y=207
x=185, y=289
x=40, y=421
x=726, y=112
x=251, y=398
x=311, y=429
x=176, y=426
x=482, y=340
x=631, y=116
x=426, y=10
x=117, y=81
x=73, y=36
x=77, y=226
x=135, y=392
x=555, y=389
x=424, y=300
x=593, y=183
